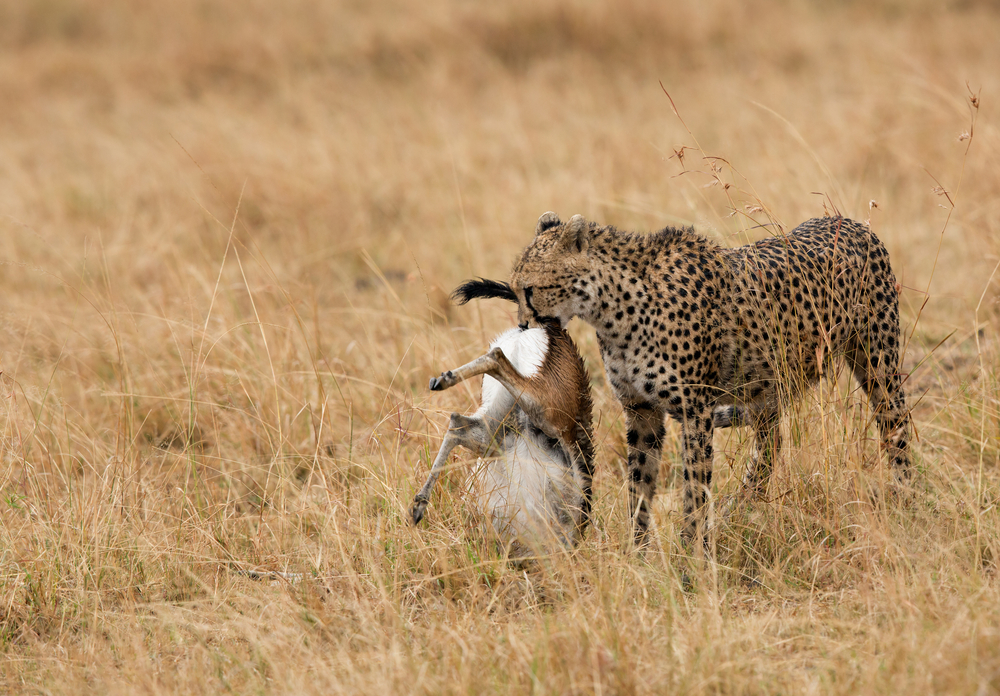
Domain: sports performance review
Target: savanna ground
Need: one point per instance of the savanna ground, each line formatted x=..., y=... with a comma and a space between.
x=228, y=230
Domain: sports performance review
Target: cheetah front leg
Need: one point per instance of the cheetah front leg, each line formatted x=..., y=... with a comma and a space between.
x=645, y=445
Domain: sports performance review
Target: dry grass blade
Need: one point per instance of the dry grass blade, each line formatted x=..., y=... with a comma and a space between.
x=210, y=432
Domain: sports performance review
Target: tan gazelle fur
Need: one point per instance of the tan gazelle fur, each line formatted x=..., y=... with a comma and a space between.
x=533, y=429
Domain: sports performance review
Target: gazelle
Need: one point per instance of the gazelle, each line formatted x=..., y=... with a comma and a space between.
x=532, y=429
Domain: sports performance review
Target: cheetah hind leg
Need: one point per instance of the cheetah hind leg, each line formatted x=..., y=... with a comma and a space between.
x=731, y=416
x=877, y=369
x=767, y=441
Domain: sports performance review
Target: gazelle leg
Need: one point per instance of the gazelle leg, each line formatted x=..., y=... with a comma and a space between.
x=496, y=365
x=462, y=430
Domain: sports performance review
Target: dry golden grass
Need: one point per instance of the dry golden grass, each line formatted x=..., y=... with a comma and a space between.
x=227, y=232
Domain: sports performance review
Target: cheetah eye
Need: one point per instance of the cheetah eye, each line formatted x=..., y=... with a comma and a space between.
x=528, y=292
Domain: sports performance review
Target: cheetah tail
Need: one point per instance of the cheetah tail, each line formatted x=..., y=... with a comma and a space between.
x=482, y=289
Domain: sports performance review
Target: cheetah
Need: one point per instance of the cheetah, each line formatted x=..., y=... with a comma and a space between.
x=717, y=337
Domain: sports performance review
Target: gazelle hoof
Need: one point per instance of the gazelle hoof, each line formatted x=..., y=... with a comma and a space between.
x=443, y=382
x=418, y=509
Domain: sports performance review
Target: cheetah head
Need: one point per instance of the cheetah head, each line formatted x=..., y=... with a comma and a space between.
x=550, y=279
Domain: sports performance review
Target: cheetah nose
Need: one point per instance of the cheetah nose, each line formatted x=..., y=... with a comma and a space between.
x=523, y=326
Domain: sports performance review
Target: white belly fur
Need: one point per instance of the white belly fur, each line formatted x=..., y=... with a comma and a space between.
x=527, y=491
x=526, y=351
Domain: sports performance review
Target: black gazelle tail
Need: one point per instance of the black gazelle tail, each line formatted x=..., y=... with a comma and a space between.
x=483, y=289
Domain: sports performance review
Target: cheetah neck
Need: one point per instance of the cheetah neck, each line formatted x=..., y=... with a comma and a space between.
x=626, y=272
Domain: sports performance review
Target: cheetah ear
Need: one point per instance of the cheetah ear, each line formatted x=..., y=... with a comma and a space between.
x=577, y=234
x=546, y=221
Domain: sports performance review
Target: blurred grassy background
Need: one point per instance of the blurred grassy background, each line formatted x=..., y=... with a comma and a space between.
x=227, y=234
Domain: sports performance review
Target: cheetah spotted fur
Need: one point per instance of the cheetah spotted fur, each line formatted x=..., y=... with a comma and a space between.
x=715, y=336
